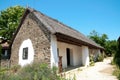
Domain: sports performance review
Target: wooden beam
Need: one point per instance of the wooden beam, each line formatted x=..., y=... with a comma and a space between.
x=71, y=40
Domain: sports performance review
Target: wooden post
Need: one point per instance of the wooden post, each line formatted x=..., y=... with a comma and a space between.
x=60, y=64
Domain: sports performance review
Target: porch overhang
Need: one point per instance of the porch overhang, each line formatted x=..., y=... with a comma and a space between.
x=74, y=41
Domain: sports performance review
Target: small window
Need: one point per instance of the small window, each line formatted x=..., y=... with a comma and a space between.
x=25, y=53
x=58, y=52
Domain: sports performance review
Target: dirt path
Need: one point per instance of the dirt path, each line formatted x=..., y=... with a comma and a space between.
x=101, y=71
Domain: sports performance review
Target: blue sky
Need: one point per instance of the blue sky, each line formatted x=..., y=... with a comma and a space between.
x=82, y=15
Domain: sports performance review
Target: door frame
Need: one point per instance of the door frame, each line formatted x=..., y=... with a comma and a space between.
x=68, y=56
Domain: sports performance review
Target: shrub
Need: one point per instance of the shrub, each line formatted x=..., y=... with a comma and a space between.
x=92, y=63
x=112, y=62
x=0, y=55
x=117, y=61
x=100, y=57
x=117, y=72
x=117, y=55
x=38, y=72
x=34, y=71
x=15, y=68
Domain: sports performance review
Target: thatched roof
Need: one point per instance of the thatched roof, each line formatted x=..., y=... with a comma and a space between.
x=4, y=44
x=54, y=26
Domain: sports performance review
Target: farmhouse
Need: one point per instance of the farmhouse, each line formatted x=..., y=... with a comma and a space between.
x=5, y=49
x=40, y=38
x=5, y=53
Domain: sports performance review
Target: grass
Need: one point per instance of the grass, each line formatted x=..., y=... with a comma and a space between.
x=117, y=72
x=33, y=71
x=30, y=72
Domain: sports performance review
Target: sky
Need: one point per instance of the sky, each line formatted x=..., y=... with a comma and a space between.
x=85, y=16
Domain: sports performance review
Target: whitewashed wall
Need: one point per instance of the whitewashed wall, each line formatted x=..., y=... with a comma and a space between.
x=26, y=43
x=76, y=54
x=95, y=53
x=54, y=56
x=85, y=56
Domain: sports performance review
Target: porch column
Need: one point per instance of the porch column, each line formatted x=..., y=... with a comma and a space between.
x=85, y=56
x=54, y=55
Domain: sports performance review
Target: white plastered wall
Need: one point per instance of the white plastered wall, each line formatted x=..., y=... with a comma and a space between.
x=85, y=56
x=75, y=54
x=26, y=43
x=95, y=53
x=54, y=55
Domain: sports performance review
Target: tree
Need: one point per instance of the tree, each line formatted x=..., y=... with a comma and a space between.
x=0, y=55
x=109, y=45
x=100, y=39
x=9, y=20
x=117, y=55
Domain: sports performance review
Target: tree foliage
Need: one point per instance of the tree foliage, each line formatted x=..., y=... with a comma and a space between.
x=0, y=50
x=9, y=20
x=0, y=55
x=109, y=45
x=117, y=55
x=100, y=39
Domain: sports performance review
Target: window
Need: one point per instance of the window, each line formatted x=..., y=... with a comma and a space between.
x=58, y=52
x=25, y=53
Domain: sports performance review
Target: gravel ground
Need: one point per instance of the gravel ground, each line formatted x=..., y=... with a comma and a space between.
x=101, y=71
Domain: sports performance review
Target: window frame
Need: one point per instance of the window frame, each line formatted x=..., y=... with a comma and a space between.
x=25, y=53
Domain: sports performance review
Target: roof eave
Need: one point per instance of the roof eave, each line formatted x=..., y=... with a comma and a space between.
x=63, y=37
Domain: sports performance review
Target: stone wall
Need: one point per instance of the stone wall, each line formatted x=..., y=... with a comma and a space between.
x=32, y=29
x=5, y=63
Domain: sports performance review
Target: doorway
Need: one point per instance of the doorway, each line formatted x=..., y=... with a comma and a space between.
x=68, y=56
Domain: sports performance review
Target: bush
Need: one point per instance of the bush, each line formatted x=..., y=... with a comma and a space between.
x=117, y=61
x=39, y=72
x=117, y=55
x=0, y=55
x=100, y=57
x=117, y=73
x=34, y=71
x=15, y=68
x=92, y=63
x=112, y=62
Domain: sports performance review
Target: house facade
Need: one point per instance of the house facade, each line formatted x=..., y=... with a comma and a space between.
x=5, y=49
x=40, y=38
x=5, y=53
